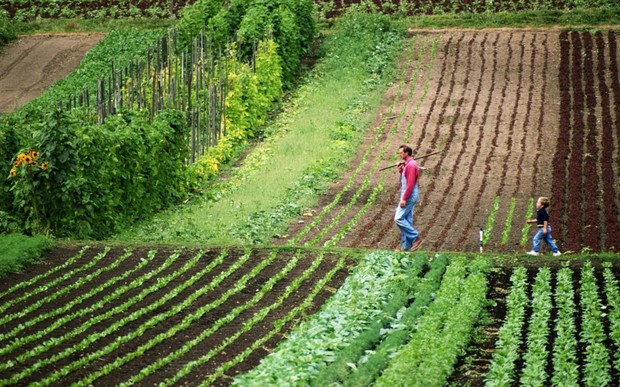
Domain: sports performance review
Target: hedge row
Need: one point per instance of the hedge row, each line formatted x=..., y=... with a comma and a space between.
x=89, y=180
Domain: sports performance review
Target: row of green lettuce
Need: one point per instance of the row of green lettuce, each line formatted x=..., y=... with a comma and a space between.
x=398, y=317
x=67, y=176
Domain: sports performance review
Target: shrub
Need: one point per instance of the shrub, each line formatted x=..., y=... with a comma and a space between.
x=86, y=180
x=7, y=30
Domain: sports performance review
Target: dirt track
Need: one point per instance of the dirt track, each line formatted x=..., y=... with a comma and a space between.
x=32, y=64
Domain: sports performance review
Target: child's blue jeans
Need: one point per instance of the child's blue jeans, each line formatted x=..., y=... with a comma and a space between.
x=547, y=238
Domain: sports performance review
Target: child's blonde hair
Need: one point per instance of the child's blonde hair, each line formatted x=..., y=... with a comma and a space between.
x=544, y=201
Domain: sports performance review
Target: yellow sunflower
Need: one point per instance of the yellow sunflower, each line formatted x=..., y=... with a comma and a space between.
x=16, y=163
x=44, y=166
x=27, y=159
x=36, y=154
x=13, y=172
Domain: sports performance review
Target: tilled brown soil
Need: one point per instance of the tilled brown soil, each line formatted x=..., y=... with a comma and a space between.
x=32, y=64
x=503, y=107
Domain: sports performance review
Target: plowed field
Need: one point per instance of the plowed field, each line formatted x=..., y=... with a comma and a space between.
x=519, y=114
x=30, y=65
x=102, y=316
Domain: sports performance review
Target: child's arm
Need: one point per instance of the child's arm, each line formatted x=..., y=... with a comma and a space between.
x=531, y=221
x=544, y=229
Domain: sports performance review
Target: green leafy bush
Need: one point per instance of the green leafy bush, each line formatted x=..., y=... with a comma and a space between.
x=367, y=38
x=7, y=30
x=86, y=180
x=250, y=96
x=290, y=23
x=194, y=18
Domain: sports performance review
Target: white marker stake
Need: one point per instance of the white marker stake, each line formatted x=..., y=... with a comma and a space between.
x=481, y=239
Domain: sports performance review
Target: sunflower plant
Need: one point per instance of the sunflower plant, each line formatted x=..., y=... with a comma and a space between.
x=31, y=170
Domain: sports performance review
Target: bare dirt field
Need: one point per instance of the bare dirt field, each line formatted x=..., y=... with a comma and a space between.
x=519, y=114
x=32, y=64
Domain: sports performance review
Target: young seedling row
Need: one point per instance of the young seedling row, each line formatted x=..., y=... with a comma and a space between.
x=112, y=316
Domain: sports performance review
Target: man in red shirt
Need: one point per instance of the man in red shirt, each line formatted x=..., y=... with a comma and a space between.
x=409, y=195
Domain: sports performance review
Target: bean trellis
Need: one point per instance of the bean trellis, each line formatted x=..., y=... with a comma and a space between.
x=192, y=80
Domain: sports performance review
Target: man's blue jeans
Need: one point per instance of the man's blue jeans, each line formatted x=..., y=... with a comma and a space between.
x=547, y=238
x=404, y=220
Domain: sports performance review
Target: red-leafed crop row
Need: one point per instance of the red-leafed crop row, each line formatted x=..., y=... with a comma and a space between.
x=585, y=165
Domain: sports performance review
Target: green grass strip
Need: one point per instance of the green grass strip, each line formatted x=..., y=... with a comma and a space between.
x=340, y=89
x=19, y=250
x=340, y=234
x=360, y=164
x=48, y=273
x=586, y=14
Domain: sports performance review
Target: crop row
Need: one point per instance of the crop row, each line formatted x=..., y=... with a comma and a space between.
x=590, y=89
x=29, y=10
x=330, y=8
x=360, y=337
x=581, y=334
x=129, y=318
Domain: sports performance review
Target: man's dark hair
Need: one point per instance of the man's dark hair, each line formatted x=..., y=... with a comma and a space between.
x=407, y=149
